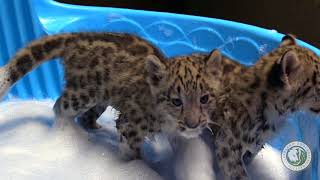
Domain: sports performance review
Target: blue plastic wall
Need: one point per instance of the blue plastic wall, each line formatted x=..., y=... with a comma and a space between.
x=17, y=27
x=23, y=20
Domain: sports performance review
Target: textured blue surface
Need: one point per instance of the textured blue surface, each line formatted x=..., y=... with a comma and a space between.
x=23, y=20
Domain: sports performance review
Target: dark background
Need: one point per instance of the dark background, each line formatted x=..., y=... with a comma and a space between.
x=298, y=17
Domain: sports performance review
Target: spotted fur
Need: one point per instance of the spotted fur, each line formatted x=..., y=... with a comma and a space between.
x=151, y=92
x=283, y=81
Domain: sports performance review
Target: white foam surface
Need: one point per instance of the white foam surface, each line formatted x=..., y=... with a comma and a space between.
x=31, y=148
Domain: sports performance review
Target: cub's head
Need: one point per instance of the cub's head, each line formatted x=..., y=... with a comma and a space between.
x=185, y=89
x=295, y=76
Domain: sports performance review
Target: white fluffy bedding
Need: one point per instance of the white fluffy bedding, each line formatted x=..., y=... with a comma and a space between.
x=30, y=148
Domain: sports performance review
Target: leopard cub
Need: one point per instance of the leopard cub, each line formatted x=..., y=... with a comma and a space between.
x=257, y=101
x=152, y=93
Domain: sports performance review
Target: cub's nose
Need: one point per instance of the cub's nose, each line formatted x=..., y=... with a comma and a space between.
x=192, y=123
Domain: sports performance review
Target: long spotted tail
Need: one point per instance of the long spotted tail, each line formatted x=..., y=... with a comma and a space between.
x=30, y=57
x=4, y=83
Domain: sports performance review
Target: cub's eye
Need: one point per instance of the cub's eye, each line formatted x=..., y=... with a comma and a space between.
x=204, y=99
x=176, y=101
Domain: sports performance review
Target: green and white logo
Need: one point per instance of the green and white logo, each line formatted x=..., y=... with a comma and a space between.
x=296, y=156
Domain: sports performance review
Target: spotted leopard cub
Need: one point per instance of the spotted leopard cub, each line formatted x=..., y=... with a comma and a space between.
x=128, y=73
x=181, y=98
x=256, y=103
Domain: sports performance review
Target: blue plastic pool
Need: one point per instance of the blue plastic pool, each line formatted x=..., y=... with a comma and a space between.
x=21, y=21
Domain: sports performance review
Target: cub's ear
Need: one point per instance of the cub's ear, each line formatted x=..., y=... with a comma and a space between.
x=290, y=68
x=213, y=62
x=215, y=55
x=288, y=40
x=156, y=69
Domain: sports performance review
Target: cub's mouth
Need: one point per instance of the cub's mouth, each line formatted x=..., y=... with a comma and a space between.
x=192, y=132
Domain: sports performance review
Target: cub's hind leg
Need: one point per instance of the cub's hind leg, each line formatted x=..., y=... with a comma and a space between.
x=88, y=120
x=68, y=107
x=132, y=132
